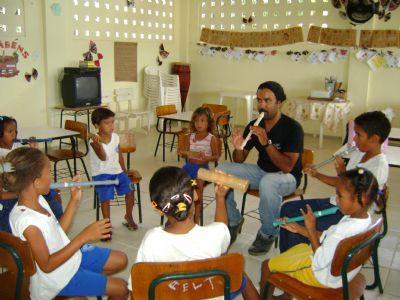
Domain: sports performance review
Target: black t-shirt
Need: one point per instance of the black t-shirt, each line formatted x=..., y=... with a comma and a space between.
x=287, y=136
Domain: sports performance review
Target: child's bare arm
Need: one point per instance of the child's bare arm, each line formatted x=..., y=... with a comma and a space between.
x=98, y=148
x=121, y=162
x=214, y=149
x=69, y=212
x=310, y=222
x=49, y=262
x=220, y=209
x=329, y=180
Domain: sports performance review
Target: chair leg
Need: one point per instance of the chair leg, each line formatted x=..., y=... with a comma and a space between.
x=84, y=167
x=243, y=207
x=55, y=171
x=69, y=169
x=173, y=141
x=227, y=150
x=377, y=278
x=139, y=201
x=161, y=220
x=97, y=205
x=158, y=143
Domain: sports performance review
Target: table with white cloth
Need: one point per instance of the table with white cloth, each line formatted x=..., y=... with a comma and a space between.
x=327, y=113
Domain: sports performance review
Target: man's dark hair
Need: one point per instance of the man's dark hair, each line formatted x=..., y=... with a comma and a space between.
x=276, y=88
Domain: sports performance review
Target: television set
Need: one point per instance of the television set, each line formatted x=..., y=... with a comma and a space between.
x=81, y=87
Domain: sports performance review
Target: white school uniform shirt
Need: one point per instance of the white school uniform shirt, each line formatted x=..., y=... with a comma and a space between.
x=5, y=151
x=330, y=238
x=199, y=243
x=43, y=285
x=111, y=165
x=377, y=165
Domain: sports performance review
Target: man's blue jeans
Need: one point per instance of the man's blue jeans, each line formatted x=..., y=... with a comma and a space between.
x=272, y=187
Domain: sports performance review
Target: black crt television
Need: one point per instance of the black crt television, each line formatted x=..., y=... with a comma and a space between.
x=81, y=87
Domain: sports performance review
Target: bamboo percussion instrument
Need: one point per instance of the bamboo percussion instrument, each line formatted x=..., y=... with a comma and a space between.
x=260, y=117
x=329, y=160
x=60, y=185
x=317, y=214
x=191, y=153
x=224, y=179
x=33, y=140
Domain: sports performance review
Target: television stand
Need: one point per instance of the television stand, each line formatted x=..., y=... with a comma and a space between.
x=77, y=111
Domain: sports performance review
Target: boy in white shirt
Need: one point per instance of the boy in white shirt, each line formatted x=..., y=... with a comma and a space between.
x=107, y=163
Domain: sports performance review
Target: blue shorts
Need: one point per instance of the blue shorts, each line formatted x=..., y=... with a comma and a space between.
x=88, y=280
x=192, y=169
x=106, y=192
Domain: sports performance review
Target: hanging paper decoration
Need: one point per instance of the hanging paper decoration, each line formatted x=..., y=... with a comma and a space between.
x=333, y=37
x=252, y=39
x=379, y=38
x=33, y=75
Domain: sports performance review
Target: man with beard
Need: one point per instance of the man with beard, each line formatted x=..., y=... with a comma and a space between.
x=279, y=142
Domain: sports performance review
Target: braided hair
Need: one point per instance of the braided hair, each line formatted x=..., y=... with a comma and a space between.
x=361, y=181
x=171, y=192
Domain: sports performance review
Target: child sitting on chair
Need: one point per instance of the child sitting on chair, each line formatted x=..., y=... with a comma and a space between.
x=356, y=190
x=65, y=268
x=107, y=163
x=172, y=194
x=202, y=148
x=371, y=130
x=8, y=134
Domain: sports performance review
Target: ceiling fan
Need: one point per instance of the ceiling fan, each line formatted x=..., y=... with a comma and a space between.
x=361, y=11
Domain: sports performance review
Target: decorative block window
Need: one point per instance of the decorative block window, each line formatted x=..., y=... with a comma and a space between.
x=266, y=14
x=110, y=19
x=12, y=18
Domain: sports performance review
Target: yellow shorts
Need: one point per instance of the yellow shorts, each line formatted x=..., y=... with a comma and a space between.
x=296, y=263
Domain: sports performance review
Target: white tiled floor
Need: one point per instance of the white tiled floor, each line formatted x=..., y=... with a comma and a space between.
x=143, y=160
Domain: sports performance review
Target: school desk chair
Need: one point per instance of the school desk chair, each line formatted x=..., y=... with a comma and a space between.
x=163, y=110
x=307, y=157
x=375, y=264
x=351, y=253
x=198, y=279
x=222, y=126
x=127, y=145
x=57, y=155
x=17, y=261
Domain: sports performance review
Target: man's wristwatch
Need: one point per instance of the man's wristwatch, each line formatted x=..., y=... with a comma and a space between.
x=269, y=142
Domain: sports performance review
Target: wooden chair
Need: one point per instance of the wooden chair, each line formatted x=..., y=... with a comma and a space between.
x=127, y=145
x=198, y=279
x=351, y=253
x=375, y=263
x=306, y=158
x=57, y=155
x=162, y=111
x=16, y=258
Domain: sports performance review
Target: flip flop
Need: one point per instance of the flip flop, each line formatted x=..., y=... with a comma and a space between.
x=131, y=228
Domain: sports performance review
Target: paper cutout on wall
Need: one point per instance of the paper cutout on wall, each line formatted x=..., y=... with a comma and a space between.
x=379, y=38
x=56, y=9
x=332, y=36
x=252, y=39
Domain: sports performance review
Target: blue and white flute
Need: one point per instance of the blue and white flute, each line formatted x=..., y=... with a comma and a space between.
x=344, y=152
x=33, y=140
x=317, y=214
x=60, y=185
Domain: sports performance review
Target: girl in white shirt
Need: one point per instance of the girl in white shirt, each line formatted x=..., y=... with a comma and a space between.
x=356, y=190
x=64, y=267
x=173, y=195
